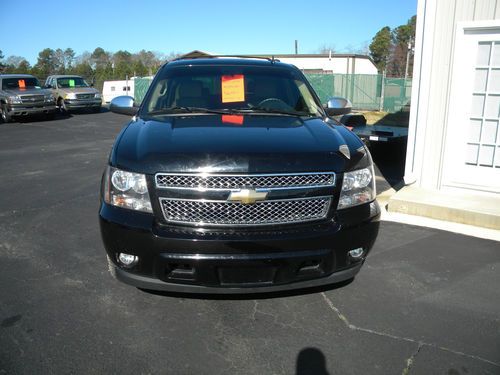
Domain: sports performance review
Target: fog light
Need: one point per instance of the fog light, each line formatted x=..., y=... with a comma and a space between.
x=127, y=260
x=356, y=253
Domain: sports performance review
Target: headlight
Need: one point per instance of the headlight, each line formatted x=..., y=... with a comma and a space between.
x=98, y=96
x=70, y=95
x=358, y=186
x=127, y=190
x=15, y=99
x=49, y=98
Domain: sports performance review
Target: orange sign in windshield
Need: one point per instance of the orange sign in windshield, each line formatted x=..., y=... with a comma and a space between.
x=21, y=83
x=232, y=119
x=233, y=88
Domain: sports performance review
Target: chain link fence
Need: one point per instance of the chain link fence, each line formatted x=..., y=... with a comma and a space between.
x=365, y=91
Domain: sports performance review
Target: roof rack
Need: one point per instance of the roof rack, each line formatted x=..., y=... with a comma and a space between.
x=271, y=59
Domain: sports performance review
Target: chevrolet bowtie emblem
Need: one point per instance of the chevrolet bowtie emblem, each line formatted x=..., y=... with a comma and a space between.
x=247, y=196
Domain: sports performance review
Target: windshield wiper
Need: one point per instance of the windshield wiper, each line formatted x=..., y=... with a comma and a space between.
x=182, y=109
x=272, y=110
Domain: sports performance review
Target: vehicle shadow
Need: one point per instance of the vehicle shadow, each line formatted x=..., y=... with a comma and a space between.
x=90, y=112
x=42, y=118
x=250, y=296
x=389, y=159
x=399, y=118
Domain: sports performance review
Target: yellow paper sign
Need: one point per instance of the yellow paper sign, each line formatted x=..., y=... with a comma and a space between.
x=233, y=88
x=71, y=83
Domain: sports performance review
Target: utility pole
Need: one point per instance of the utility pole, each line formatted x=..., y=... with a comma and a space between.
x=296, y=47
x=408, y=58
x=382, y=92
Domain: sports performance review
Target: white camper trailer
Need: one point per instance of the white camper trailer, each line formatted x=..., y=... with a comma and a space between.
x=112, y=89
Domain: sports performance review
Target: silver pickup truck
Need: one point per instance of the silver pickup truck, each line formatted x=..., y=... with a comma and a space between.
x=73, y=93
x=22, y=95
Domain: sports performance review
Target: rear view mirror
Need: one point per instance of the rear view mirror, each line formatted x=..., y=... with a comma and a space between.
x=338, y=106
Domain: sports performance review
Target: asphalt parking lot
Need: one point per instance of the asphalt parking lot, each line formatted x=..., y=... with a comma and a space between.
x=426, y=301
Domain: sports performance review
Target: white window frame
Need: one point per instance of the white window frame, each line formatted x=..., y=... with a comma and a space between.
x=455, y=173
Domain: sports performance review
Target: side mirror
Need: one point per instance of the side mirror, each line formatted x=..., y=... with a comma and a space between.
x=338, y=106
x=123, y=105
x=48, y=86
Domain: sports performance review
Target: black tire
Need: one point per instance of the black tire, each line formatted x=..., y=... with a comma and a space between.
x=6, y=117
x=50, y=116
x=96, y=109
x=62, y=106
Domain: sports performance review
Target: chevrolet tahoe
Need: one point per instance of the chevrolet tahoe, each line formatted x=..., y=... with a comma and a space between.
x=232, y=177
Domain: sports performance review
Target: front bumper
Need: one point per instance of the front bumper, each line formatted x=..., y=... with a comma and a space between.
x=28, y=110
x=82, y=104
x=181, y=259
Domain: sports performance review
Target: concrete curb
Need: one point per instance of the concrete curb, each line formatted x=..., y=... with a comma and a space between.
x=481, y=210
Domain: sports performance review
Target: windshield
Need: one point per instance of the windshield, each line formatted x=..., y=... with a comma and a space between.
x=70, y=82
x=19, y=83
x=232, y=89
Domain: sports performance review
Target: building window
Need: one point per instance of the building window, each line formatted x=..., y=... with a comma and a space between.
x=483, y=139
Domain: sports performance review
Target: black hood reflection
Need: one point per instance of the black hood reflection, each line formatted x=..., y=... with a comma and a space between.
x=231, y=144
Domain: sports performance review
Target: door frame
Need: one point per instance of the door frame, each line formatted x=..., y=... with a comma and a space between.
x=455, y=173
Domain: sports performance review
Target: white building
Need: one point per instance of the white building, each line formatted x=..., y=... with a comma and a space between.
x=317, y=63
x=453, y=155
x=331, y=63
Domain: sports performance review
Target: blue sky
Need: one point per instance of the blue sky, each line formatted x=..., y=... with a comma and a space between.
x=226, y=27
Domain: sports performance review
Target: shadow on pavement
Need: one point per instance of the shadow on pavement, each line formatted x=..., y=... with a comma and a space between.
x=400, y=118
x=311, y=361
x=389, y=159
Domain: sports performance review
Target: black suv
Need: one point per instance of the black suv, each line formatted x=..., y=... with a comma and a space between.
x=230, y=178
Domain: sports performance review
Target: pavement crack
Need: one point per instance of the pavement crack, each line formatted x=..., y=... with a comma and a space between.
x=275, y=317
x=409, y=361
x=420, y=344
x=341, y=316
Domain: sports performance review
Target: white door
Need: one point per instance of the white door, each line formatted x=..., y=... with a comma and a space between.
x=472, y=144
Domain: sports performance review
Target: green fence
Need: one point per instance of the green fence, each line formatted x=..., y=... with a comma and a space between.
x=363, y=90
x=141, y=86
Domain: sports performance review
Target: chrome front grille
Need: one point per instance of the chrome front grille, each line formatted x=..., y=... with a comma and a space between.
x=231, y=182
x=284, y=211
x=27, y=99
x=85, y=96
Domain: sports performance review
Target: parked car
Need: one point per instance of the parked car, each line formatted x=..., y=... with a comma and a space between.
x=72, y=92
x=232, y=178
x=21, y=95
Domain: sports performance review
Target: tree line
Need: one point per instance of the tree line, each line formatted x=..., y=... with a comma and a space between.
x=96, y=66
x=390, y=49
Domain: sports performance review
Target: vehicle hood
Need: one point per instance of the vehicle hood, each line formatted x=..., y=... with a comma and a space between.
x=27, y=91
x=234, y=144
x=78, y=90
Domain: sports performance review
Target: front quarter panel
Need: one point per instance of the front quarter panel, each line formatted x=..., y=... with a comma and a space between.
x=114, y=150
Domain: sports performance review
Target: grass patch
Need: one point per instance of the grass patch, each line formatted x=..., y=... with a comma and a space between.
x=385, y=118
